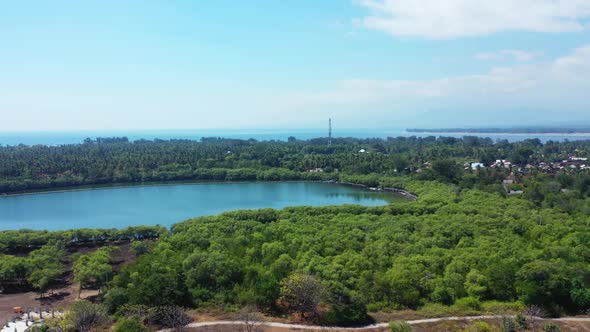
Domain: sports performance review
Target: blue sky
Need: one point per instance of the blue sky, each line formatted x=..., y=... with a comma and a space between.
x=77, y=65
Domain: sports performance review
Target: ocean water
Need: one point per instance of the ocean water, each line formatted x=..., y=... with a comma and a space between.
x=72, y=137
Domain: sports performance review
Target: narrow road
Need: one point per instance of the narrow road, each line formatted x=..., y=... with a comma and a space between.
x=380, y=325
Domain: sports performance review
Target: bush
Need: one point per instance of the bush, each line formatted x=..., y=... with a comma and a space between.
x=498, y=307
x=346, y=308
x=521, y=322
x=377, y=306
x=468, y=303
x=400, y=326
x=115, y=298
x=85, y=316
x=39, y=328
x=170, y=316
x=131, y=324
x=482, y=327
x=478, y=327
x=139, y=248
x=551, y=327
x=508, y=325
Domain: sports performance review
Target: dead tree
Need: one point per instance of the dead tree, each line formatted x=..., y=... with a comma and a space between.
x=251, y=320
x=533, y=314
x=172, y=317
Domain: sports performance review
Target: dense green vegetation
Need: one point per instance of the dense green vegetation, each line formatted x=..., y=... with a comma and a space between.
x=450, y=248
x=116, y=160
x=41, y=269
x=25, y=240
x=93, y=269
x=464, y=244
x=36, y=259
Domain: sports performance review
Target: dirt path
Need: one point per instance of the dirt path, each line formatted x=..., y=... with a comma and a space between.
x=363, y=328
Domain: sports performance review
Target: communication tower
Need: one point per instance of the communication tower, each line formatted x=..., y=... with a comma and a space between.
x=330, y=131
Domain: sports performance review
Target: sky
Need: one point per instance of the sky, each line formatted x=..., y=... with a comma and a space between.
x=124, y=64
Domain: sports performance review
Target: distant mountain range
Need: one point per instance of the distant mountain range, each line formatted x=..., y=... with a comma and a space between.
x=497, y=119
x=515, y=130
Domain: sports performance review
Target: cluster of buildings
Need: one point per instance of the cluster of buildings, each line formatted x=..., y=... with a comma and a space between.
x=498, y=163
x=571, y=163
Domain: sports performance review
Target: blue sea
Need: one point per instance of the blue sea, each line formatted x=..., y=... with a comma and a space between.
x=72, y=137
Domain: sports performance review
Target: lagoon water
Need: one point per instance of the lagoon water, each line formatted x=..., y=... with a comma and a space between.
x=168, y=204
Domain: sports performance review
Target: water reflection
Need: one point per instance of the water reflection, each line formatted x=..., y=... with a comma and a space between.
x=167, y=204
x=367, y=195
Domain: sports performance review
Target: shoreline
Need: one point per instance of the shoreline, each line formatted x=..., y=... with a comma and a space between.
x=401, y=192
x=467, y=133
x=124, y=185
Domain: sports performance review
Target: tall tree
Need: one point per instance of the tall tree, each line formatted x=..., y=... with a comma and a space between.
x=302, y=293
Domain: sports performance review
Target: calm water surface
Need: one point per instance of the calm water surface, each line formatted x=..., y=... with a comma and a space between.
x=73, y=137
x=168, y=204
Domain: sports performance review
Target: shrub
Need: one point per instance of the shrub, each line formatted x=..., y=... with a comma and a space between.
x=436, y=310
x=346, y=308
x=478, y=327
x=551, y=327
x=139, y=248
x=482, y=327
x=39, y=328
x=400, y=326
x=377, y=306
x=521, y=322
x=508, y=325
x=498, y=307
x=85, y=316
x=468, y=303
x=170, y=316
x=131, y=324
x=115, y=298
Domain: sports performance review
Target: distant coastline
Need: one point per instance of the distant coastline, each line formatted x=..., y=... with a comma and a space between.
x=500, y=131
x=68, y=137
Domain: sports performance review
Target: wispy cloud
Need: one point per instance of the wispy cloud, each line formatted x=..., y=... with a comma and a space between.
x=500, y=55
x=444, y=19
x=564, y=79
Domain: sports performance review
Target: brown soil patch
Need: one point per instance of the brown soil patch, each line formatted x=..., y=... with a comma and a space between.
x=66, y=292
x=453, y=326
x=573, y=326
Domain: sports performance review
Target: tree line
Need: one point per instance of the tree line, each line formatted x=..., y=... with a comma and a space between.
x=25, y=240
x=117, y=160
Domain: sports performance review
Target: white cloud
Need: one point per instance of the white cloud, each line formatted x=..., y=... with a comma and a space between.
x=444, y=19
x=500, y=55
x=580, y=59
x=563, y=81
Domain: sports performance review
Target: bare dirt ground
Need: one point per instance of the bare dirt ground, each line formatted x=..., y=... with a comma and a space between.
x=454, y=326
x=66, y=292
x=574, y=326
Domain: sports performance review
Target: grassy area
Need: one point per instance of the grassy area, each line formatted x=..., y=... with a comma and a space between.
x=433, y=310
